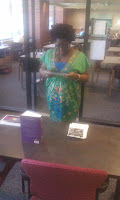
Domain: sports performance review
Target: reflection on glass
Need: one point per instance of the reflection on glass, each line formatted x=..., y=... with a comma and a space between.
x=102, y=90
x=64, y=68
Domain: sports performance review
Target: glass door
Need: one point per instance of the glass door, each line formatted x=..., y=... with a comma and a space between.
x=102, y=92
x=12, y=75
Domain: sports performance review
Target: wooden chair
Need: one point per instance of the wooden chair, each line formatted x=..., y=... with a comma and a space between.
x=33, y=63
x=21, y=70
x=97, y=69
x=5, y=55
x=115, y=75
x=16, y=50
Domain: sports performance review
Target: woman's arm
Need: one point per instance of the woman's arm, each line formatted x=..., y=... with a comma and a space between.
x=44, y=72
x=79, y=77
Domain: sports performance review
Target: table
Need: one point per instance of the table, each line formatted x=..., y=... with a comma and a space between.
x=114, y=49
x=4, y=47
x=79, y=41
x=112, y=60
x=51, y=46
x=21, y=68
x=99, y=151
x=5, y=50
x=38, y=55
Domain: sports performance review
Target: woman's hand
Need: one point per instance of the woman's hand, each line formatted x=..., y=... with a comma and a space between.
x=78, y=77
x=46, y=73
x=72, y=76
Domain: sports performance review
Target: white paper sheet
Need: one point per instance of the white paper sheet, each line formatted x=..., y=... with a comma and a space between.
x=30, y=113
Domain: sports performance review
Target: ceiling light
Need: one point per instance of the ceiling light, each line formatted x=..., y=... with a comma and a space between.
x=107, y=3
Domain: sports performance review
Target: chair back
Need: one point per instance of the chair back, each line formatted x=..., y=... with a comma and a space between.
x=50, y=181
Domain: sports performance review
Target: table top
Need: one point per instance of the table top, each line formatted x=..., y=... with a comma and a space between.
x=39, y=54
x=114, y=49
x=79, y=41
x=111, y=60
x=50, y=46
x=101, y=149
x=4, y=47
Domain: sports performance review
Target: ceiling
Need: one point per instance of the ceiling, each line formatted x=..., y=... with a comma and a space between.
x=81, y=4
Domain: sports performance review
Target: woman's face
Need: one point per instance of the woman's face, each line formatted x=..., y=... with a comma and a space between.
x=62, y=47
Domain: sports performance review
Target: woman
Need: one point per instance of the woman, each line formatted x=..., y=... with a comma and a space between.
x=63, y=89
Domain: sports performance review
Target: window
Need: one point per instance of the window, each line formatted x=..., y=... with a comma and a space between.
x=11, y=19
x=51, y=15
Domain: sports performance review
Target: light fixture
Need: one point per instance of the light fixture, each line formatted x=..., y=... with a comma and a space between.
x=108, y=2
x=118, y=23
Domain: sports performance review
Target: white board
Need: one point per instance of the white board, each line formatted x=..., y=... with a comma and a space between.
x=97, y=49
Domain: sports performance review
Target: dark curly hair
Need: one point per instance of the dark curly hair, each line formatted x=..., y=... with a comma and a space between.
x=62, y=31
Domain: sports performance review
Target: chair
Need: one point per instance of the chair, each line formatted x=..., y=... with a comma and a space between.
x=34, y=64
x=97, y=69
x=115, y=75
x=60, y=182
x=5, y=55
x=16, y=50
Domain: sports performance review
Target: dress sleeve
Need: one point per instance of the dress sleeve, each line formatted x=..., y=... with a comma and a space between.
x=81, y=64
x=45, y=57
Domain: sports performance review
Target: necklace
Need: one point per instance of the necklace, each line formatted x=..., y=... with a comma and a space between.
x=62, y=58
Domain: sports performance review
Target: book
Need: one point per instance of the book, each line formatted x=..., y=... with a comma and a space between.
x=10, y=120
x=78, y=130
x=31, y=127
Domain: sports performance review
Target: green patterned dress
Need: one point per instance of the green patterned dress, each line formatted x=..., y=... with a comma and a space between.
x=64, y=95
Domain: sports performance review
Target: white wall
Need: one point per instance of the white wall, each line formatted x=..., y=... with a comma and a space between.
x=77, y=17
x=104, y=14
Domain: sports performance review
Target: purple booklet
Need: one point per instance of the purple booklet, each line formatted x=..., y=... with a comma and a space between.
x=31, y=127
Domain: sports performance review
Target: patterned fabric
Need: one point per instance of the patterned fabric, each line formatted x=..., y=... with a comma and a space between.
x=63, y=95
x=51, y=181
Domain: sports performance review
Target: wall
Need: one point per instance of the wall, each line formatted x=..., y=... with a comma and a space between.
x=74, y=17
x=77, y=17
x=58, y=15
x=37, y=23
x=103, y=14
x=51, y=15
x=41, y=22
x=44, y=22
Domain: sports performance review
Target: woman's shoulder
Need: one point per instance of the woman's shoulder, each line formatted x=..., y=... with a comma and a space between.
x=78, y=53
x=47, y=53
x=50, y=51
x=81, y=54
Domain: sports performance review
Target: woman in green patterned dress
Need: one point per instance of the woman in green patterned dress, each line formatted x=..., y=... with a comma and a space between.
x=64, y=69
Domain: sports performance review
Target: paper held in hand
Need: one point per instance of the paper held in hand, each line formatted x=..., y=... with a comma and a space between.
x=77, y=130
x=57, y=73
